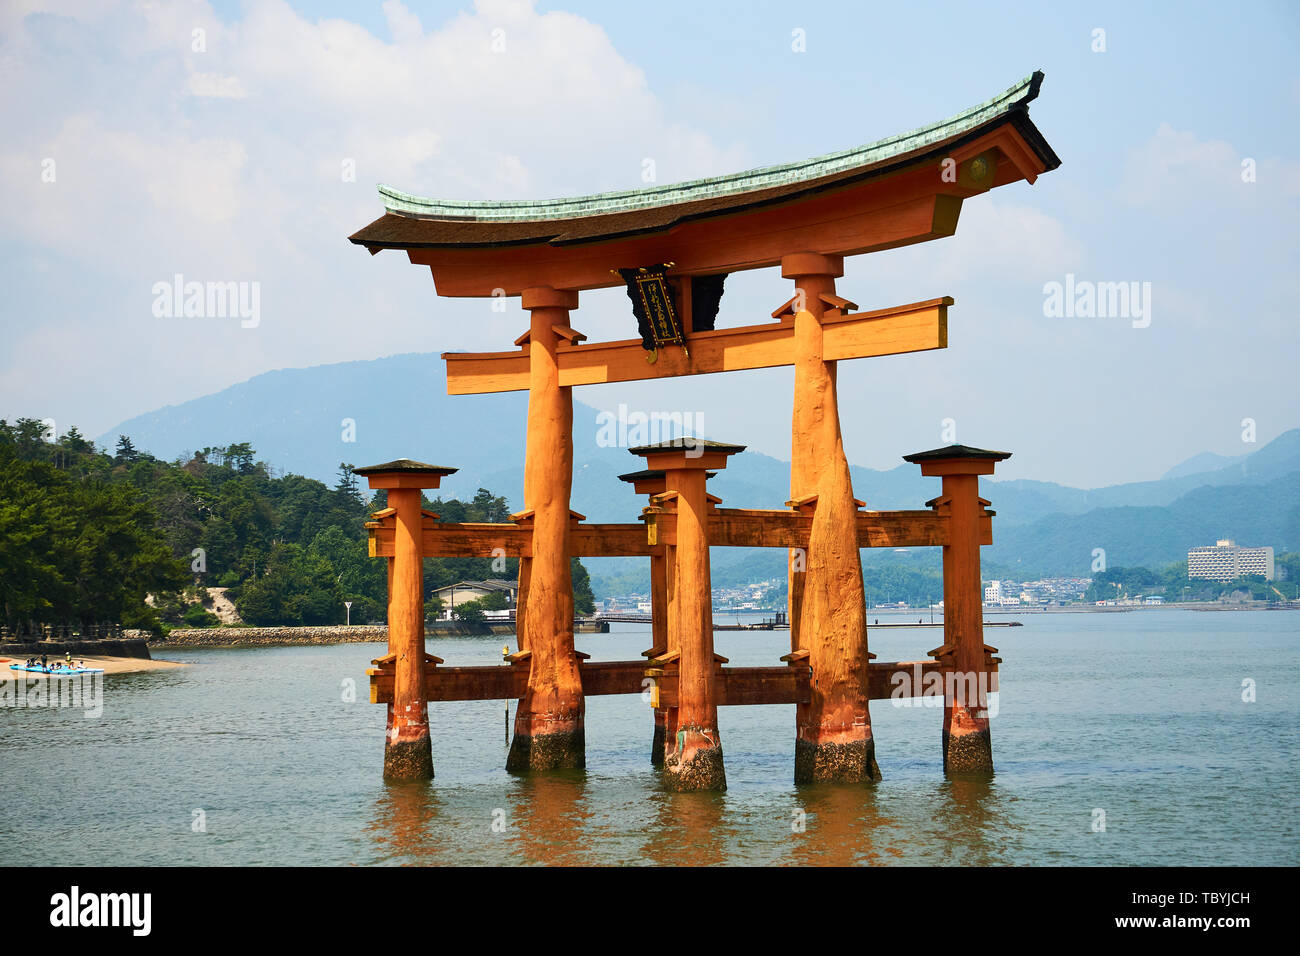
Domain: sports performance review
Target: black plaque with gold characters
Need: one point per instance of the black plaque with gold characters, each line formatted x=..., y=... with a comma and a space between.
x=654, y=303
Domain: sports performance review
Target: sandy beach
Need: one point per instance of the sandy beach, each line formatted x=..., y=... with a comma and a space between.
x=110, y=665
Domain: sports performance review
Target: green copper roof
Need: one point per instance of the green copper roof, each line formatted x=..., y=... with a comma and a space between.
x=629, y=200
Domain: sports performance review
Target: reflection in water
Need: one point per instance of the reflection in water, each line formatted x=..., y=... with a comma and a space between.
x=975, y=820
x=687, y=829
x=548, y=819
x=843, y=827
x=402, y=826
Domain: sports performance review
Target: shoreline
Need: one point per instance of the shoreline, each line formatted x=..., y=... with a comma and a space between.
x=110, y=665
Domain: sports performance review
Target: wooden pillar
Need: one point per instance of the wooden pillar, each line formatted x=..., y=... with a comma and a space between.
x=549, y=729
x=659, y=640
x=967, y=742
x=693, y=745
x=663, y=626
x=828, y=617
x=388, y=726
x=697, y=760
x=408, y=753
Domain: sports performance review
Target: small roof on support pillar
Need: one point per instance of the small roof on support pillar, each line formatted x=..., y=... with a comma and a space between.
x=957, y=460
x=686, y=452
x=956, y=451
x=689, y=444
x=649, y=473
x=404, y=473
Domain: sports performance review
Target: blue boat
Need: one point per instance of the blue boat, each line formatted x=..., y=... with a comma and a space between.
x=57, y=671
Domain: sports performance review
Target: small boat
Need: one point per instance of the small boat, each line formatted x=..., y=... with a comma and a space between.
x=57, y=671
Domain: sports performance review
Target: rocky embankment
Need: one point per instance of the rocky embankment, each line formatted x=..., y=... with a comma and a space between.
x=272, y=636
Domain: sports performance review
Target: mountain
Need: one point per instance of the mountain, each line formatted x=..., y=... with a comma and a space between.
x=310, y=420
x=1136, y=536
x=1205, y=461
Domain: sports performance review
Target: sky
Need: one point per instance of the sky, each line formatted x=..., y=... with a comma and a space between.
x=243, y=143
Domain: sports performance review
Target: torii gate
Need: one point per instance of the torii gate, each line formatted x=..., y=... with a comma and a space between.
x=674, y=245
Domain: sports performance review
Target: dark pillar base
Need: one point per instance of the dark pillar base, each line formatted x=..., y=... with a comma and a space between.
x=700, y=768
x=566, y=750
x=968, y=753
x=408, y=760
x=853, y=762
x=657, y=744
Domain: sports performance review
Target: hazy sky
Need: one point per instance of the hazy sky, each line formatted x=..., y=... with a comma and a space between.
x=136, y=148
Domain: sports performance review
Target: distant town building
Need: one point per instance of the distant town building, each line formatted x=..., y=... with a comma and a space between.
x=993, y=593
x=1226, y=561
x=454, y=595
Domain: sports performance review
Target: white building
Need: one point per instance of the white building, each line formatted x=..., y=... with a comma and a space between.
x=1226, y=561
x=454, y=595
x=993, y=593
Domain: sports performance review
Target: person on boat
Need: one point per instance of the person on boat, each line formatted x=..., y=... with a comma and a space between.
x=67, y=659
x=45, y=661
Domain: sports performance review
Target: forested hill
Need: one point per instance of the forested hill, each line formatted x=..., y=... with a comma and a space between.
x=88, y=535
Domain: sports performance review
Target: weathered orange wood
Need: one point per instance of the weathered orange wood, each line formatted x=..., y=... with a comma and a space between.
x=967, y=741
x=501, y=682
x=549, y=731
x=408, y=753
x=736, y=686
x=915, y=327
x=728, y=527
x=447, y=539
x=696, y=760
x=693, y=746
x=833, y=739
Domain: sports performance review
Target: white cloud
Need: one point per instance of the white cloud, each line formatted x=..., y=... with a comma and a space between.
x=226, y=162
x=216, y=86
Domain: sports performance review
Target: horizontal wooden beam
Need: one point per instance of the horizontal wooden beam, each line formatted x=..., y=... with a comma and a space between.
x=754, y=528
x=475, y=540
x=502, y=681
x=737, y=686
x=915, y=327
x=728, y=528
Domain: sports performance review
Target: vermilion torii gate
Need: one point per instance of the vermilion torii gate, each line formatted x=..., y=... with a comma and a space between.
x=674, y=245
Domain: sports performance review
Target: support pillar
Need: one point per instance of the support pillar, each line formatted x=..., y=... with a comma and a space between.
x=659, y=641
x=549, y=731
x=408, y=753
x=828, y=616
x=663, y=629
x=693, y=745
x=967, y=741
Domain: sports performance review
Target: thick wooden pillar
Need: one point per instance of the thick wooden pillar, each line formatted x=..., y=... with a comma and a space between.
x=827, y=605
x=663, y=623
x=388, y=726
x=659, y=640
x=967, y=741
x=692, y=746
x=408, y=753
x=549, y=723
x=696, y=761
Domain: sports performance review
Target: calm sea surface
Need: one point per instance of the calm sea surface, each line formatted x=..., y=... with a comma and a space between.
x=1139, y=715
